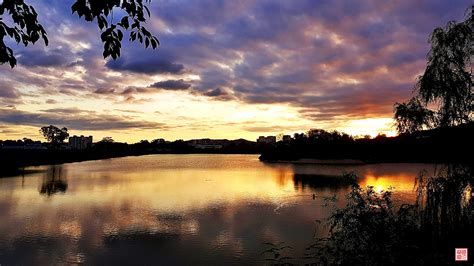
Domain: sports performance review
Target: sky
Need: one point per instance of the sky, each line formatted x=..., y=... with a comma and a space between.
x=224, y=69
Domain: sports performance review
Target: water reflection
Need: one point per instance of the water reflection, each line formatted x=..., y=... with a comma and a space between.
x=54, y=181
x=172, y=209
x=333, y=183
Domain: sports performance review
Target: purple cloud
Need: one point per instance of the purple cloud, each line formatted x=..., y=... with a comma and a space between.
x=171, y=85
x=146, y=64
x=75, y=119
x=328, y=58
x=8, y=91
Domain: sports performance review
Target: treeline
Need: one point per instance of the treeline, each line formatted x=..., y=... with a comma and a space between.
x=436, y=145
x=15, y=154
x=178, y=146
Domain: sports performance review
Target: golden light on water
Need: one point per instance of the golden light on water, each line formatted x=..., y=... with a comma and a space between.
x=222, y=202
x=400, y=182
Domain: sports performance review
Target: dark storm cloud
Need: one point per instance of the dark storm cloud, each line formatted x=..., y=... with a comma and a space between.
x=146, y=65
x=171, y=85
x=74, y=118
x=44, y=58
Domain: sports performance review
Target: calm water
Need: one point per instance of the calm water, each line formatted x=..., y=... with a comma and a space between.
x=174, y=209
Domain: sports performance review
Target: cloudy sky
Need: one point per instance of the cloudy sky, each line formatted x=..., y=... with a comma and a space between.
x=225, y=69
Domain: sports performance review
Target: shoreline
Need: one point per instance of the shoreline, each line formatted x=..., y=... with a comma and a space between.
x=14, y=162
x=19, y=167
x=310, y=161
x=319, y=161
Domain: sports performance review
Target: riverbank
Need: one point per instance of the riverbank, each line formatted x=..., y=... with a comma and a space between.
x=440, y=145
x=19, y=154
x=319, y=147
x=12, y=162
x=319, y=161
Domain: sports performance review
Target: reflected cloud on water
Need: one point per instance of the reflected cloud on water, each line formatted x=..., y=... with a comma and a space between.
x=191, y=209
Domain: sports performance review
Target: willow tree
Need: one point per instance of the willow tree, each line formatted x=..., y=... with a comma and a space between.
x=22, y=25
x=413, y=116
x=446, y=83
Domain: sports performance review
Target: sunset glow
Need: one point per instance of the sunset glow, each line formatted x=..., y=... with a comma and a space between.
x=249, y=132
x=240, y=71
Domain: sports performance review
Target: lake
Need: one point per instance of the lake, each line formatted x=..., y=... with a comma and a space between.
x=176, y=209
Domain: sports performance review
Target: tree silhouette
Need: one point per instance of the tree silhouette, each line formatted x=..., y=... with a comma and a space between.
x=106, y=140
x=54, y=134
x=27, y=30
x=446, y=82
x=412, y=116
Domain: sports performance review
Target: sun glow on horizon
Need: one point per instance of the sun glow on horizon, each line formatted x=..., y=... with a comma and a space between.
x=370, y=126
x=178, y=115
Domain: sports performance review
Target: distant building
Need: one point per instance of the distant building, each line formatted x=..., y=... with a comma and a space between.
x=80, y=142
x=207, y=143
x=266, y=140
